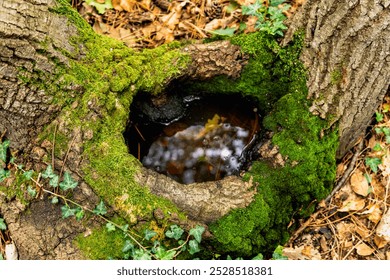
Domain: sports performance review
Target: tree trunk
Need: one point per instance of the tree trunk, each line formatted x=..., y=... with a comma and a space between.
x=346, y=53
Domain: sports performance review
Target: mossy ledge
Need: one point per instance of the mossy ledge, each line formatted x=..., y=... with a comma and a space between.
x=111, y=74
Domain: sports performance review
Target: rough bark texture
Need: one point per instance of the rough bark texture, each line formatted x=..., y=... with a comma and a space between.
x=218, y=58
x=204, y=202
x=347, y=54
x=31, y=38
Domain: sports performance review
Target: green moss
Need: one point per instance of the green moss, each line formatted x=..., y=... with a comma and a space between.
x=101, y=244
x=309, y=171
x=110, y=75
x=271, y=72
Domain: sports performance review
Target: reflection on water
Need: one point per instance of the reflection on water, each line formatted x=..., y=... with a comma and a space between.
x=195, y=154
x=214, y=136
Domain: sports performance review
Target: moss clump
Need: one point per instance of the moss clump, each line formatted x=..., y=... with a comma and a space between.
x=272, y=71
x=110, y=75
x=309, y=171
x=102, y=244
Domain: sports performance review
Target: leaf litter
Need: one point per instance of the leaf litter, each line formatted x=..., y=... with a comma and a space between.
x=151, y=23
x=356, y=222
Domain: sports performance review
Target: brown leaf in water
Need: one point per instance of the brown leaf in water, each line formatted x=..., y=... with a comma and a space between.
x=364, y=250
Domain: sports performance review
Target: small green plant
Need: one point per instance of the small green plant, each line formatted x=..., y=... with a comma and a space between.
x=154, y=249
x=269, y=17
x=373, y=163
x=3, y=226
x=133, y=248
x=100, y=7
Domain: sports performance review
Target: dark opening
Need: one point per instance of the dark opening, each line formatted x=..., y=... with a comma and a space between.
x=194, y=138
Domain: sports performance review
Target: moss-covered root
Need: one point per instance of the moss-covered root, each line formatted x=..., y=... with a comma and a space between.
x=308, y=175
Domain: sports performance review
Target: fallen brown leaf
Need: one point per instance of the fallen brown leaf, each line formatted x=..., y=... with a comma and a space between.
x=297, y=253
x=364, y=250
x=359, y=184
x=383, y=228
x=352, y=205
x=380, y=242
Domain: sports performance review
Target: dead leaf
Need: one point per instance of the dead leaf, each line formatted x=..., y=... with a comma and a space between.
x=380, y=242
x=388, y=256
x=376, y=213
x=340, y=169
x=352, y=205
x=363, y=232
x=383, y=228
x=359, y=184
x=345, y=230
x=127, y=5
x=364, y=250
x=307, y=251
x=297, y=253
x=385, y=165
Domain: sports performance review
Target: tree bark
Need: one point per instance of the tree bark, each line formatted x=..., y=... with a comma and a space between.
x=347, y=53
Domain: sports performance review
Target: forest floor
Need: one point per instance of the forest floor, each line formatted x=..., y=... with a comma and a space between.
x=354, y=221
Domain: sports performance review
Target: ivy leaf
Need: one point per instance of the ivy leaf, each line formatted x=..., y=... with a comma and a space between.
x=377, y=147
x=378, y=117
x=259, y=257
x=197, y=233
x=79, y=213
x=100, y=209
x=193, y=247
x=28, y=174
x=253, y=9
x=3, y=226
x=32, y=192
x=67, y=211
x=48, y=173
x=3, y=150
x=278, y=254
x=141, y=255
x=162, y=254
x=184, y=247
x=386, y=131
x=68, y=182
x=129, y=246
x=4, y=174
x=125, y=228
x=54, y=200
x=175, y=232
x=149, y=234
x=275, y=3
x=110, y=227
x=54, y=181
x=224, y=31
x=373, y=163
